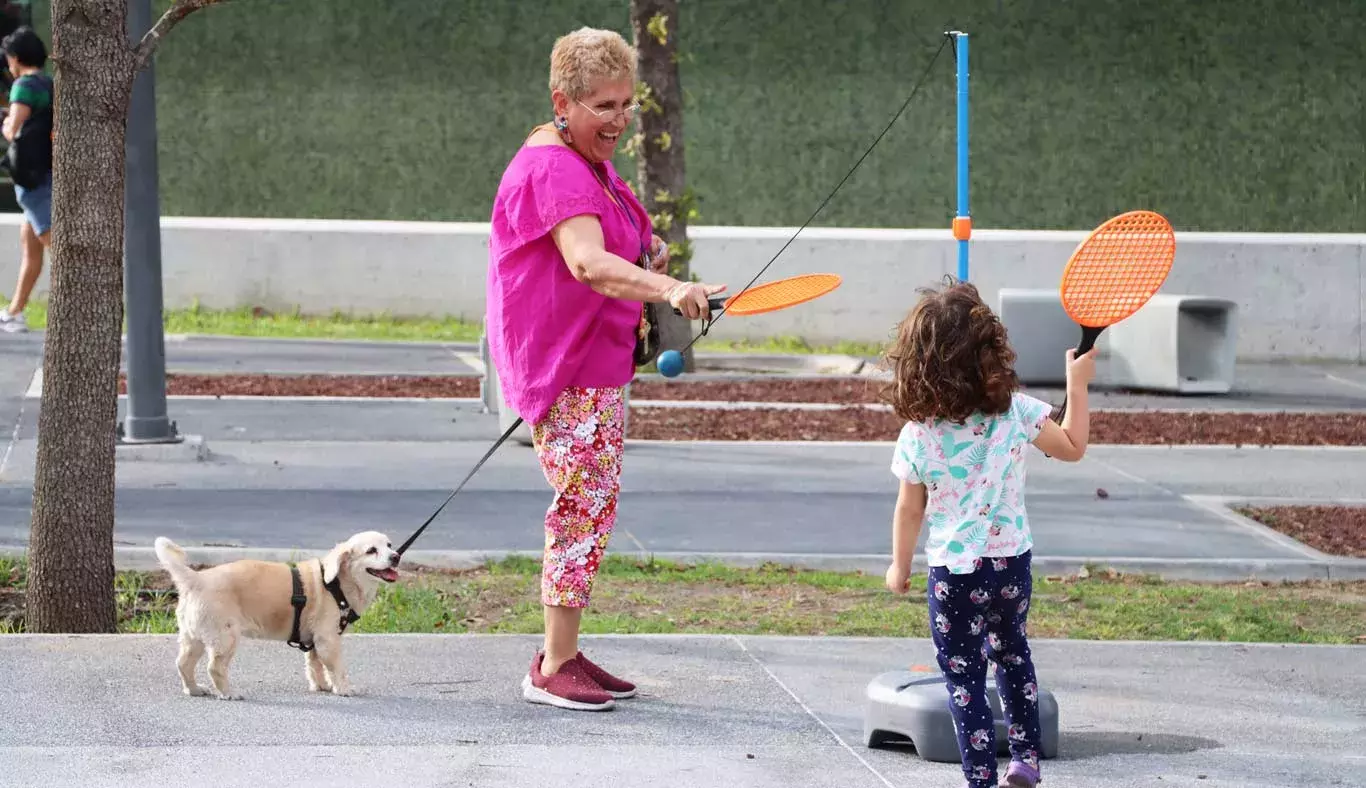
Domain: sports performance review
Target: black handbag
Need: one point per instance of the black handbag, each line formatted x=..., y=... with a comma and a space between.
x=647, y=336
x=647, y=333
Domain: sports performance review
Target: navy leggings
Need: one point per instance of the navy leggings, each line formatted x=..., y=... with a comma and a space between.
x=975, y=618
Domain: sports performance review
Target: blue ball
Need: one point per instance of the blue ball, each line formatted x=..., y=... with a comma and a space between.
x=670, y=363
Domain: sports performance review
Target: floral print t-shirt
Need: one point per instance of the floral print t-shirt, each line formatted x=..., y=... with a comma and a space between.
x=974, y=474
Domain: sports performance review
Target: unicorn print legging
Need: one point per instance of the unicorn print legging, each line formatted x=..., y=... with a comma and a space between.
x=579, y=444
x=976, y=618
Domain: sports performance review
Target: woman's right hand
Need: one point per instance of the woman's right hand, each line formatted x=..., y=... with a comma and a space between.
x=691, y=298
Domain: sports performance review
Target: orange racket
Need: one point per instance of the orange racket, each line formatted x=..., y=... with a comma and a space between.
x=775, y=295
x=1114, y=271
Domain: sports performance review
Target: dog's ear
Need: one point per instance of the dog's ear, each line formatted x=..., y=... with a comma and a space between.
x=333, y=560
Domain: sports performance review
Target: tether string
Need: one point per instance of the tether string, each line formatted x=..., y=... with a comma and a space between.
x=707, y=326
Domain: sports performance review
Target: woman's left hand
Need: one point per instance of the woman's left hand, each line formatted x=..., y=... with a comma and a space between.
x=659, y=255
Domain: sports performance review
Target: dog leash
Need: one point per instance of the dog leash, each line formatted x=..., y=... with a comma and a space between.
x=468, y=476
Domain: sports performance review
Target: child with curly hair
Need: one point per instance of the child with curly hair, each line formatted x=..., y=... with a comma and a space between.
x=961, y=461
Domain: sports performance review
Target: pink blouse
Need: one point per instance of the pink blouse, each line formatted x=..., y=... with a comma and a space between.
x=546, y=330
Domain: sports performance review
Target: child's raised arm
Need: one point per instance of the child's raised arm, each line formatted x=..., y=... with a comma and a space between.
x=906, y=522
x=1068, y=442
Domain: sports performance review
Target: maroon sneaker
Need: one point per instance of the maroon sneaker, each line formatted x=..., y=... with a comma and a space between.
x=617, y=688
x=568, y=688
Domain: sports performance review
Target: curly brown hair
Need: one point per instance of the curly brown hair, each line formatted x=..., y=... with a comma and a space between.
x=951, y=358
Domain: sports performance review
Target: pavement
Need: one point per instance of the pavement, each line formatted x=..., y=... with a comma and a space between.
x=288, y=476
x=283, y=477
x=750, y=712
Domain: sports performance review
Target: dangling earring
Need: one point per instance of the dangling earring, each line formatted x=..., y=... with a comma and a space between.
x=561, y=123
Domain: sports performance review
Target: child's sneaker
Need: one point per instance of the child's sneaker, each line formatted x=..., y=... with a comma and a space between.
x=14, y=324
x=568, y=688
x=617, y=688
x=1020, y=775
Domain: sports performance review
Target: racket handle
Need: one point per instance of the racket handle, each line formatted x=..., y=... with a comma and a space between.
x=1089, y=336
x=714, y=303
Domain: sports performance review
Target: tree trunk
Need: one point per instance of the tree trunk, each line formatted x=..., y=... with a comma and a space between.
x=659, y=150
x=71, y=549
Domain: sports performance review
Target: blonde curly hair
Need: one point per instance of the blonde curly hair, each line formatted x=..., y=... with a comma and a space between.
x=587, y=56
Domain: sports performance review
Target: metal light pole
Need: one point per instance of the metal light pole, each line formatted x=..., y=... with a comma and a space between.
x=145, y=348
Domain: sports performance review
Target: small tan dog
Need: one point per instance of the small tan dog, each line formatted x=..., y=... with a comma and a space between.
x=266, y=600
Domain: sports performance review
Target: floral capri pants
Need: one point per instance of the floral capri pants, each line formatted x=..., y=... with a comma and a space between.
x=579, y=444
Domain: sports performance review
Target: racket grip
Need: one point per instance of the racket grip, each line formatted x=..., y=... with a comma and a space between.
x=714, y=303
x=1089, y=335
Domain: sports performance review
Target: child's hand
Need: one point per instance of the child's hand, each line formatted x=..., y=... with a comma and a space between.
x=1080, y=371
x=898, y=579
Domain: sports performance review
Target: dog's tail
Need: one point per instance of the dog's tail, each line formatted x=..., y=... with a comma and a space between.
x=173, y=559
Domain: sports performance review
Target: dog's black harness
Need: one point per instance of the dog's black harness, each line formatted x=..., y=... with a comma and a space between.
x=299, y=599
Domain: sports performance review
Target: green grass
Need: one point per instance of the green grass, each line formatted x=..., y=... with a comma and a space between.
x=655, y=596
x=249, y=322
x=13, y=572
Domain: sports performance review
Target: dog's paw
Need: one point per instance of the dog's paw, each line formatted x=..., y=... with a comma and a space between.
x=194, y=691
x=228, y=696
x=346, y=691
x=314, y=686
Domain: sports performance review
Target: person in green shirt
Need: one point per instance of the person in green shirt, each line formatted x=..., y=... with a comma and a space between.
x=30, y=95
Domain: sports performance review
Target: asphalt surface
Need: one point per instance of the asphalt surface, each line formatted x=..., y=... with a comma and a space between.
x=299, y=475
x=675, y=497
x=735, y=711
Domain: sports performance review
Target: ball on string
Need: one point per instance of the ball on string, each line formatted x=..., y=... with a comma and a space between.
x=670, y=363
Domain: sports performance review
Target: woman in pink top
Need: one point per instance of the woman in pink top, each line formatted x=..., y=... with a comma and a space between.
x=571, y=260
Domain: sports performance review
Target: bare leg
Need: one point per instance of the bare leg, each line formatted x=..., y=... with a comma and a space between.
x=191, y=651
x=561, y=636
x=317, y=675
x=31, y=247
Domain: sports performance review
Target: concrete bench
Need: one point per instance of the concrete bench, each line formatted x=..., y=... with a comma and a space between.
x=1040, y=333
x=1186, y=344
x=492, y=396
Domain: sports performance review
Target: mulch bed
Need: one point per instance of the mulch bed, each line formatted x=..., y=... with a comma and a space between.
x=831, y=390
x=767, y=424
x=428, y=386
x=842, y=390
x=1335, y=530
x=849, y=423
x=1110, y=427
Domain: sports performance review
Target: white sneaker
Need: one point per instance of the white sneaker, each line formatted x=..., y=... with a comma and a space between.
x=14, y=324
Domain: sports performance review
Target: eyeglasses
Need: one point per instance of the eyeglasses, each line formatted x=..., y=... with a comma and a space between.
x=608, y=115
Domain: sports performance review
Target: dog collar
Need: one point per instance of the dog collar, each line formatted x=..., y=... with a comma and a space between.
x=333, y=587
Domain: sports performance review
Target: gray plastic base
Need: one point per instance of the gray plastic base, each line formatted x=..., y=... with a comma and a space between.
x=1186, y=344
x=1040, y=333
x=904, y=706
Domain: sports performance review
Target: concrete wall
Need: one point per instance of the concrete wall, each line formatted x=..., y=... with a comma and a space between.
x=1299, y=296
